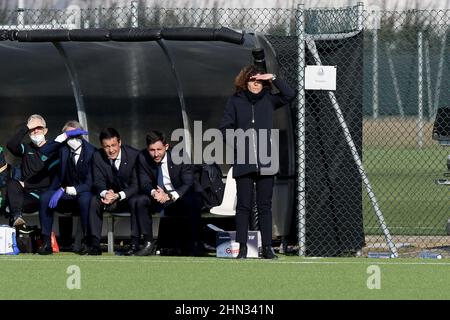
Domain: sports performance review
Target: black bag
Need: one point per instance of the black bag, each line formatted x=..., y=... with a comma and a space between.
x=28, y=239
x=209, y=184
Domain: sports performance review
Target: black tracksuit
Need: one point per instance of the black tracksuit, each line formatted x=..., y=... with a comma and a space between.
x=36, y=170
x=245, y=111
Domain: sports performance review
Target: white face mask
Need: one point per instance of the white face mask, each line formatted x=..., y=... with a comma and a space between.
x=74, y=143
x=37, y=139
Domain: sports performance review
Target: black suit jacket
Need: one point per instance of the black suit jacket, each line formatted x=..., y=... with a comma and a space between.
x=127, y=175
x=84, y=166
x=181, y=175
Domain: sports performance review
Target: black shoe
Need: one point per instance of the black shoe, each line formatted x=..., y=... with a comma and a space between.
x=46, y=249
x=242, y=252
x=94, y=251
x=268, y=253
x=83, y=250
x=133, y=250
x=149, y=249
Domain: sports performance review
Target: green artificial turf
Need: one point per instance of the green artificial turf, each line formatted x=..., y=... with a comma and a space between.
x=208, y=278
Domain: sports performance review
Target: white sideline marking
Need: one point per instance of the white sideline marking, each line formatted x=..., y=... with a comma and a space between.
x=217, y=260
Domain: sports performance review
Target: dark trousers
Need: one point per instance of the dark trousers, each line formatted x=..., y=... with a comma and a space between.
x=96, y=216
x=188, y=206
x=141, y=219
x=79, y=203
x=20, y=199
x=264, y=191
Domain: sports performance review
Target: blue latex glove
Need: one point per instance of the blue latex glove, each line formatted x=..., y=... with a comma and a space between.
x=55, y=198
x=75, y=133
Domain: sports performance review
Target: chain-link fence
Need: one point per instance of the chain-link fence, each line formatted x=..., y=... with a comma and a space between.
x=367, y=166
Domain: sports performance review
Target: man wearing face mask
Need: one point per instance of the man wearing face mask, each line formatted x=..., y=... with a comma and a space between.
x=70, y=189
x=25, y=188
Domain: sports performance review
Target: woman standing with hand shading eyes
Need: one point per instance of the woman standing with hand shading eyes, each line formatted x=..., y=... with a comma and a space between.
x=251, y=109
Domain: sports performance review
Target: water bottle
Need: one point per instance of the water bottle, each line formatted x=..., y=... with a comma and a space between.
x=382, y=255
x=430, y=255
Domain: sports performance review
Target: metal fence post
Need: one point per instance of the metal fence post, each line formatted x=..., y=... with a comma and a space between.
x=360, y=15
x=389, y=48
x=20, y=14
x=420, y=89
x=97, y=13
x=300, y=130
x=428, y=75
x=440, y=68
x=134, y=14
x=375, y=72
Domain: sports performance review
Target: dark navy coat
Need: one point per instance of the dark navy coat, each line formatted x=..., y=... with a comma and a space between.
x=241, y=113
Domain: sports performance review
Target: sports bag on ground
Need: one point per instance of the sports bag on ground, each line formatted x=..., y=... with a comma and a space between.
x=8, y=244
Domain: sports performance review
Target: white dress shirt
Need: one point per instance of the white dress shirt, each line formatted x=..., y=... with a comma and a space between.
x=166, y=179
x=117, y=162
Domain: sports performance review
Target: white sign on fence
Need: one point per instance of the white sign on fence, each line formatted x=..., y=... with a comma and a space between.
x=320, y=78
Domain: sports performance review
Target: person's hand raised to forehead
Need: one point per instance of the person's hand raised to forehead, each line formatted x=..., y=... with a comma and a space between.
x=34, y=123
x=262, y=76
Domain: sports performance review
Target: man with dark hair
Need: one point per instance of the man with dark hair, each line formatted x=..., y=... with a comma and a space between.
x=115, y=186
x=70, y=190
x=167, y=188
x=25, y=187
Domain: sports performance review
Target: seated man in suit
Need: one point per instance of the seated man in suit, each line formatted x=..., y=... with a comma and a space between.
x=70, y=189
x=115, y=185
x=167, y=187
x=24, y=189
